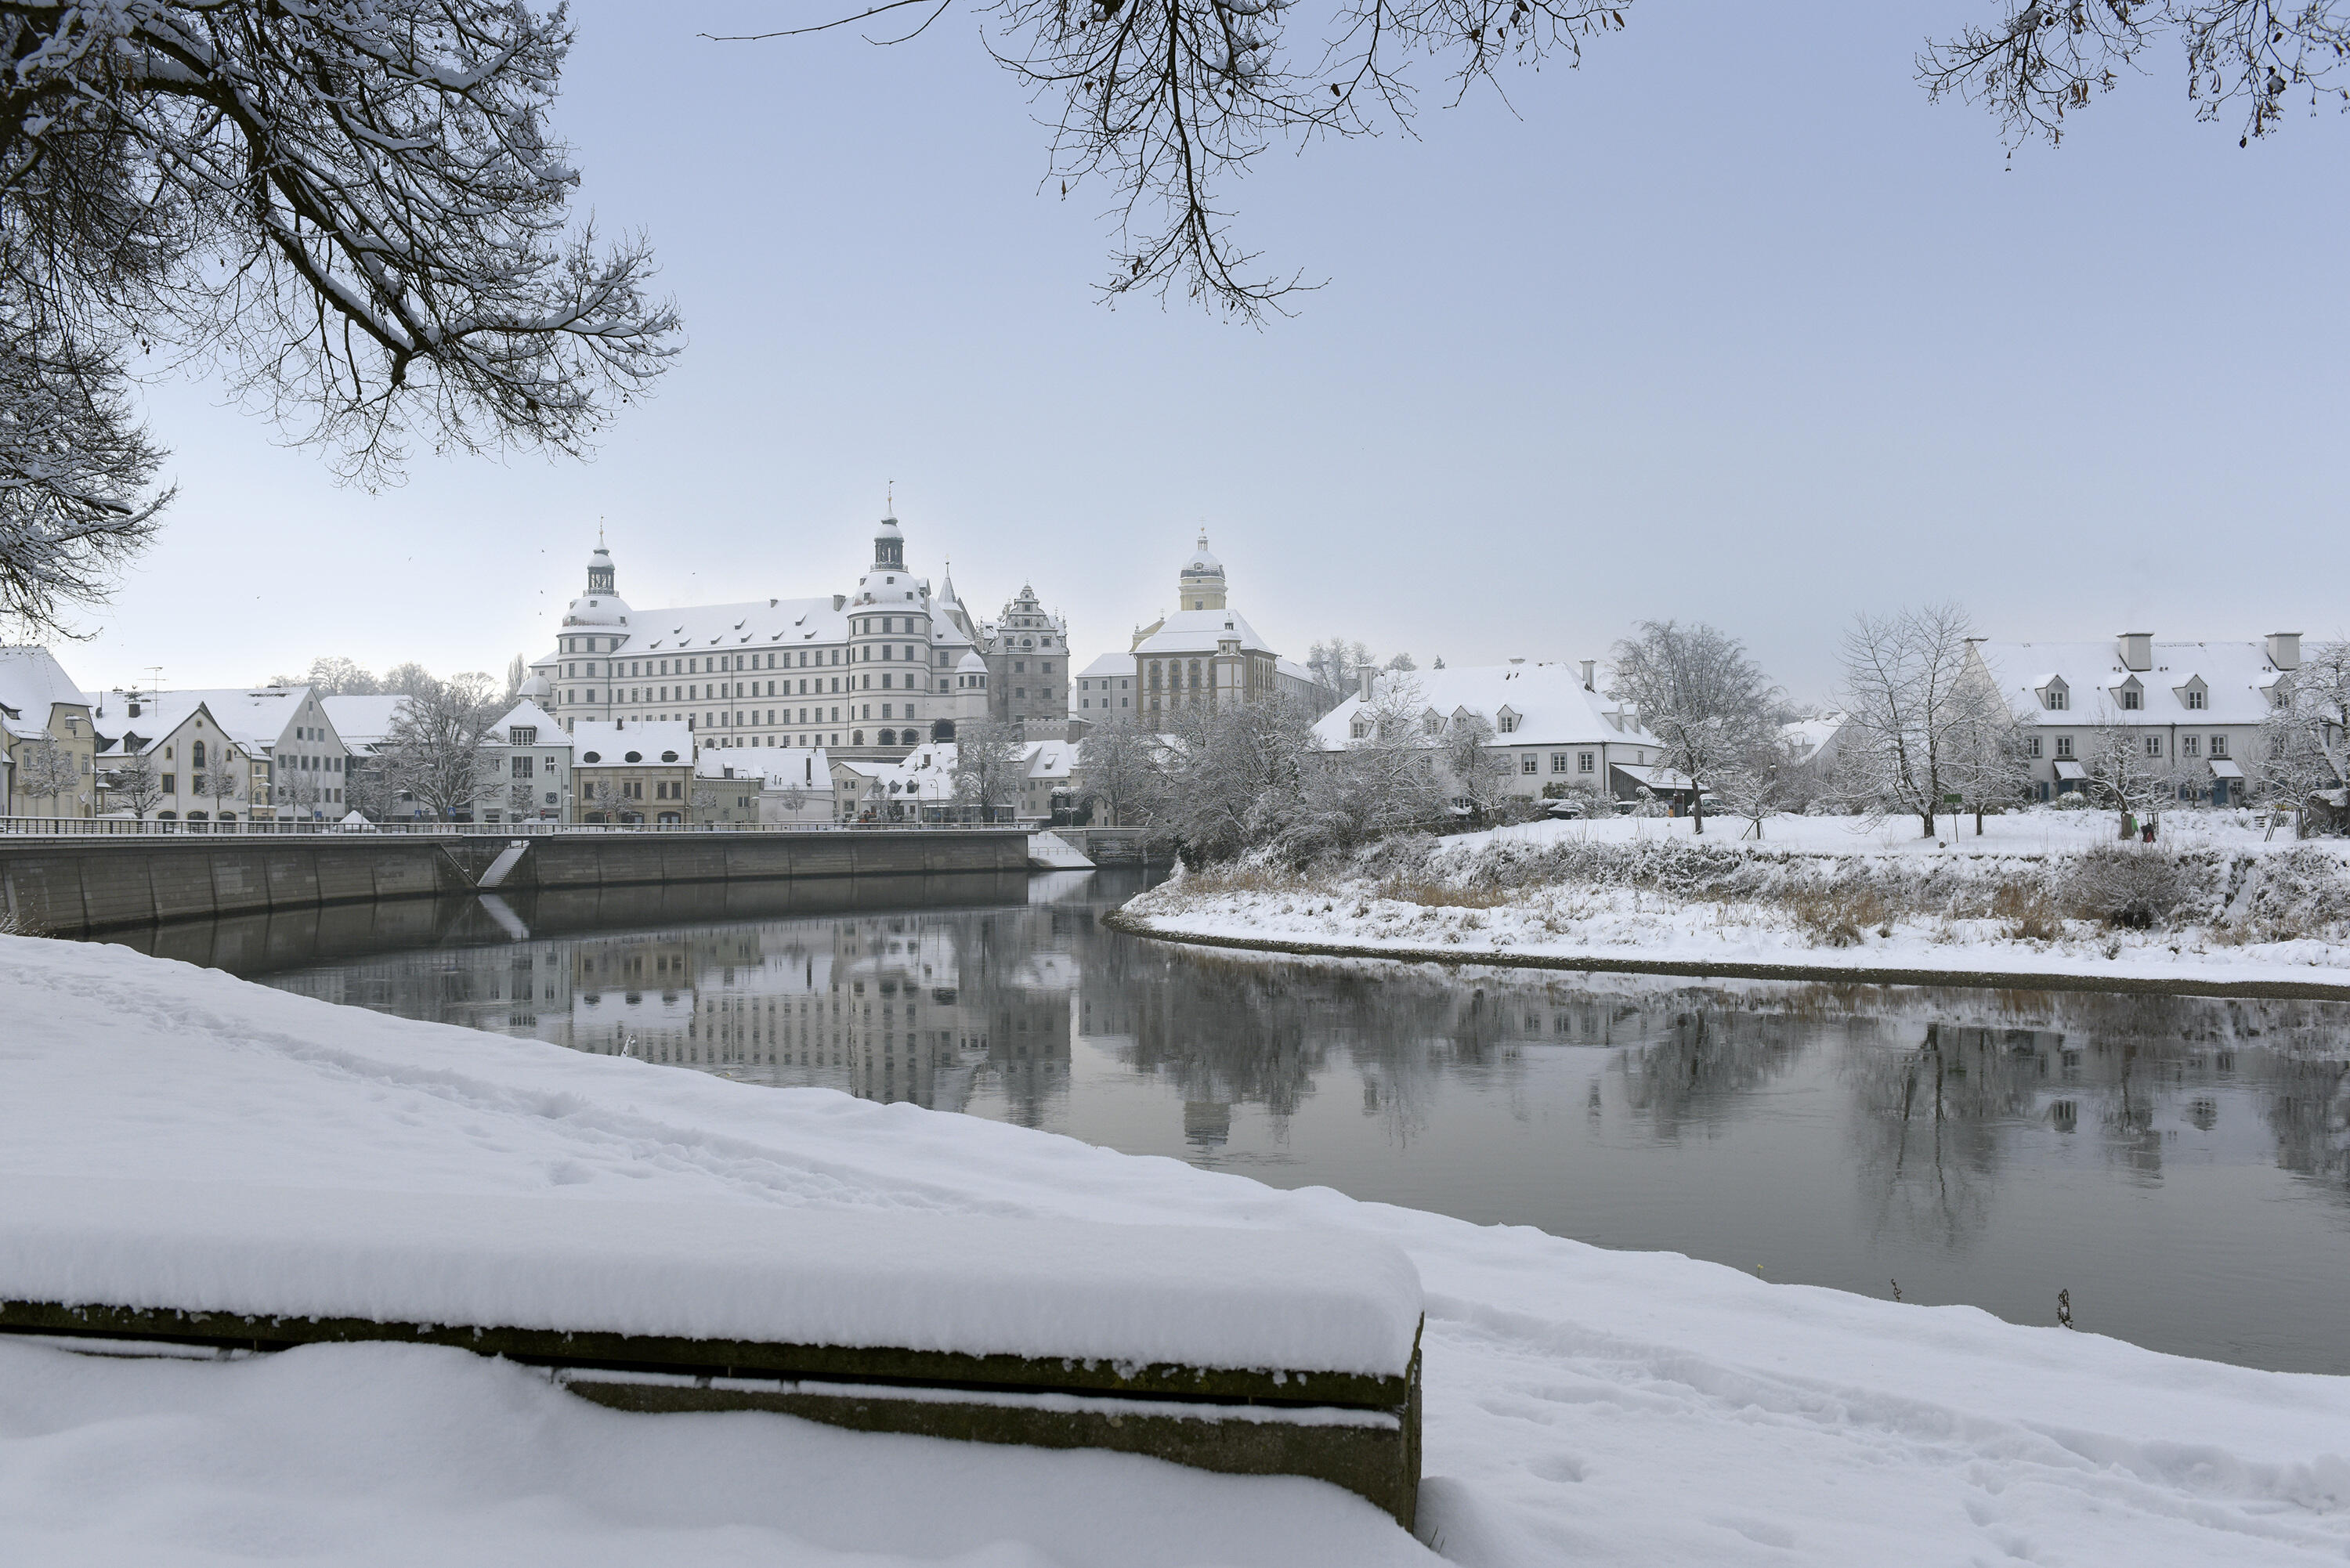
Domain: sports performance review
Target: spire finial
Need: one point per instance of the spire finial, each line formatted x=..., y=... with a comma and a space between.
x=890, y=499
x=599, y=532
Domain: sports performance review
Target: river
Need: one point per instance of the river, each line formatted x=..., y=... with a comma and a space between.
x=2180, y=1168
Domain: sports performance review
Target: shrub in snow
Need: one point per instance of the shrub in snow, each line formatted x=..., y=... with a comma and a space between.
x=2124, y=885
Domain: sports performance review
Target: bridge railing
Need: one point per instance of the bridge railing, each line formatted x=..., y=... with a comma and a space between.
x=126, y=827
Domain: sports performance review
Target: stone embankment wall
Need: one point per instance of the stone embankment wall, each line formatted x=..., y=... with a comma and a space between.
x=71, y=888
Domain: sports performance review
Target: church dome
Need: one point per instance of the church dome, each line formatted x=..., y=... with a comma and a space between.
x=596, y=609
x=1201, y=563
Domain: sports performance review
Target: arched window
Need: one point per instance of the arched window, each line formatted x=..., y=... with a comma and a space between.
x=1195, y=675
x=200, y=753
x=887, y=738
x=857, y=737
x=942, y=728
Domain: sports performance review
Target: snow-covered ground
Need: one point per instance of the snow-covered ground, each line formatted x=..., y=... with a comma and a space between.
x=1582, y=1405
x=1531, y=915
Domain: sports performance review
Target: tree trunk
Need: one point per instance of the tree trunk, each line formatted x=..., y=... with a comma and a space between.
x=1925, y=815
x=1697, y=806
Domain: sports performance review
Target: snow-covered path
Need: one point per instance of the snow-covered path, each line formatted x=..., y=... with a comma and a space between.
x=1582, y=1405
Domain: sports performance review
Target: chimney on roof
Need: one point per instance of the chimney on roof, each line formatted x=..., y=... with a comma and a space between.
x=1364, y=675
x=2137, y=650
x=1590, y=668
x=1517, y=661
x=2284, y=650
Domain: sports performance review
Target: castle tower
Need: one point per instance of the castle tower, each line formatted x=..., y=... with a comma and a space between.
x=599, y=569
x=1199, y=585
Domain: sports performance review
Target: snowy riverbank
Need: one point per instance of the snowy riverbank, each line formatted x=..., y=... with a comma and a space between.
x=1582, y=1405
x=2030, y=900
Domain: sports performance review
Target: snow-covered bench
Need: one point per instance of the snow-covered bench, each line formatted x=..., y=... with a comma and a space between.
x=1256, y=1352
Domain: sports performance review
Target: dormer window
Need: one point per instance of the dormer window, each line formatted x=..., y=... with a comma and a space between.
x=1506, y=720
x=2195, y=698
x=2057, y=699
x=2132, y=698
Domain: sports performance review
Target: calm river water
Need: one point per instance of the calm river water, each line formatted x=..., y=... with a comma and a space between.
x=2181, y=1167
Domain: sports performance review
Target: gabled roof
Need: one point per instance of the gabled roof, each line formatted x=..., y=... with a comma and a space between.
x=1552, y=707
x=161, y=716
x=257, y=716
x=528, y=714
x=2236, y=675
x=31, y=683
x=1108, y=666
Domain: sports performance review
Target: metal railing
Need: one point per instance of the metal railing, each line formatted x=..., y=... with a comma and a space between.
x=125, y=827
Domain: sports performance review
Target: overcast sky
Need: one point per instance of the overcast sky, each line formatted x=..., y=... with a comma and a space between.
x=1730, y=323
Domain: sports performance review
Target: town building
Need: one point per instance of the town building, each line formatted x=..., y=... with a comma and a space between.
x=869, y=674
x=1201, y=652
x=2193, y=710
x=46, y=737
x=1027, y=655
x=202, y=772
x=1560, y=735
x=632, y=773
x=1103, y=691
x=525, y=768
x=302, y=765
x=775, y=786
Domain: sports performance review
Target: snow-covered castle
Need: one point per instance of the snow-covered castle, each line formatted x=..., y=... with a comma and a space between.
x=871, y=673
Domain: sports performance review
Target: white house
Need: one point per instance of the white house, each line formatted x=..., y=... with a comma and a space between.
x=1103, y=691
x=2194, y=709
x=1550, y=721
x=192, y=753
x=288, y=728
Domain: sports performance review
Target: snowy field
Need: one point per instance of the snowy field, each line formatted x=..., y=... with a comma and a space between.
x=1582, y=1405
x=1617, y=923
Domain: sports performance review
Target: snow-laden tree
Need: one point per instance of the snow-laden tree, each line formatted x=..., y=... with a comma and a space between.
x=1986, y=765
x=435, y=751
x=987, y=766
x=1696, y=690
x=332, y=676
x=2130, y=770
x=1763, y=779
x=1479, y=774
x=46, y=770
x=1910, y=681
x=2303, y=737
x=357, y=209
x=133, y=784
x=1232, y=777
x=1384, y=782
x=1116, y=766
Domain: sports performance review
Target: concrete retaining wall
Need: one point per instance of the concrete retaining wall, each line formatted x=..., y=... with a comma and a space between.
x=69, y=887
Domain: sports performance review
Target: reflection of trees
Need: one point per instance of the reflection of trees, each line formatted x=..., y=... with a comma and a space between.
x=2309, y=1113
x=1930, y=1121
x=1699, y=1063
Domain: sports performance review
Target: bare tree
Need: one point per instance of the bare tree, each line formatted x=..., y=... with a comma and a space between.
x=359, y=207
x=295, y=790
x=133, y=784
x=2043, y=57
x=224, y=782
x=44, y=770
x=434, y=749
x=1384, y=782
x=1232, y=777
x=988, y=753
x=518, y=672
x=1696, y=690
x=1906, y=696
x=412, y=679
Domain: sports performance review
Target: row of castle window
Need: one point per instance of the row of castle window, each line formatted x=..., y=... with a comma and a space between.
x=735, y=661
x=2189, y=747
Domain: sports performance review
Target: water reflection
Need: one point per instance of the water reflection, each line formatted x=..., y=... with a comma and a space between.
x=2182, y=1166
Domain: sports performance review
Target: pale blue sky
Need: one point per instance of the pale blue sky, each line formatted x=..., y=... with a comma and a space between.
x=1730, y=323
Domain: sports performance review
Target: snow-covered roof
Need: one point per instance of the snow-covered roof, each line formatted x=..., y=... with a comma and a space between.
x=1109, y=665
x=597, y=745
x=1296, y=671
x=2235, y=677
x=257, y=716
x=1807, y=736
x=776, y=767
x=1200, y=563
x=527, y=714
x=1200, y=631
x=1551, y=703
x=32, y=682
x=159, y=716
x=763, y=625
x=363, y=722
